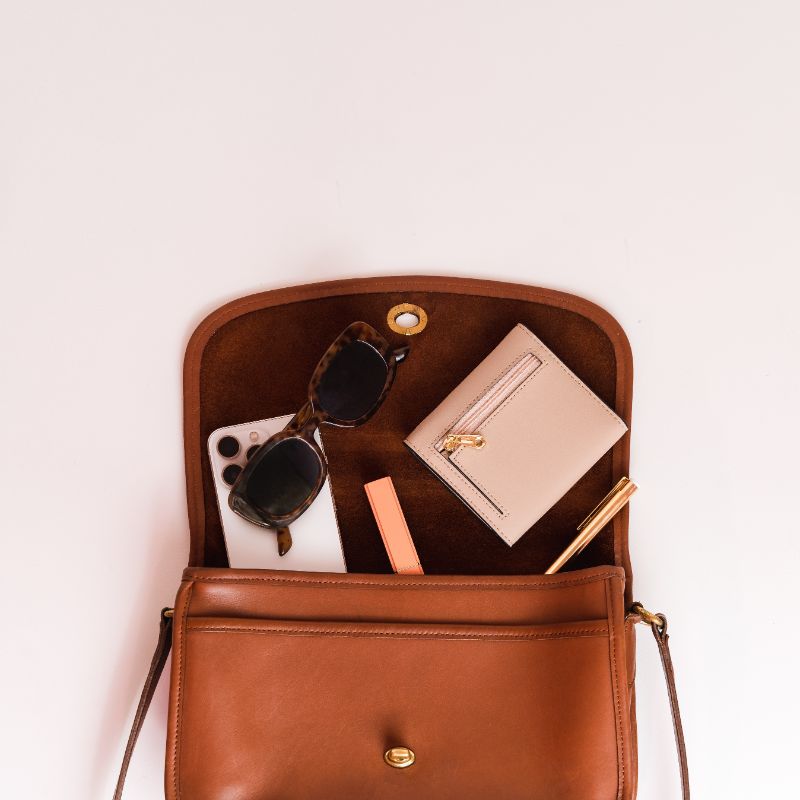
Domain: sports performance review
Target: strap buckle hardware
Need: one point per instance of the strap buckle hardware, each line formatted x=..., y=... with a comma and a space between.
x=658, y=622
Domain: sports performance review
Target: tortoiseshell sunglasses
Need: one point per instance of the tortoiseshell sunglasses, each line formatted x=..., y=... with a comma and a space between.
x=285, y=474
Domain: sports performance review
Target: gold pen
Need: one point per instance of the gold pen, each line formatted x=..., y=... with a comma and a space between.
x=600, y=516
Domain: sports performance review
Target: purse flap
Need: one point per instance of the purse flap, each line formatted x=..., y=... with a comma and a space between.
x=252, y=358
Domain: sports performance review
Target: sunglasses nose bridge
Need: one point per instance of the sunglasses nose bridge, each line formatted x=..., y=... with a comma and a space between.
x=304, y=417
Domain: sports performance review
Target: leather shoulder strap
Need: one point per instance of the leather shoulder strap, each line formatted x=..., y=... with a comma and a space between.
x=657, y=623
x=156, y=668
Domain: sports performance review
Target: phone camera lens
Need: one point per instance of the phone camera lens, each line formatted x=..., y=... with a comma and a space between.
x=228, y=447
x=231, y=473
x=251, y=451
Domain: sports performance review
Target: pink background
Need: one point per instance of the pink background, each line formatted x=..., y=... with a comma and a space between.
x=158, y=159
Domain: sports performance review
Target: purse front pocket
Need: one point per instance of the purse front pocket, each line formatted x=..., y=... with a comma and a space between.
x=270, y=708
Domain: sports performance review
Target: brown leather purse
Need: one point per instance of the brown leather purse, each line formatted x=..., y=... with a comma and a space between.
x=481, y=678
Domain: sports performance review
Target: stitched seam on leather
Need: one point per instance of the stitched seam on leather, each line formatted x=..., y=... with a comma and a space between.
x=442, y=464
x=453, y=473
x=179, y=701
x=516, y=393
x=615, y=685
x=344, y=633
x=630, y=626
x=509, y=366
x=422, y=584
x=485, y=490
x=577, y=380
x=456, y=465
x=439, y=468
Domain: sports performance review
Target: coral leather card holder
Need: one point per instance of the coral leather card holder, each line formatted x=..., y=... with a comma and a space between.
x=516, y=434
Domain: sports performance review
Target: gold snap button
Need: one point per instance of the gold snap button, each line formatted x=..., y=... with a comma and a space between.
x=399, y=757
x=401, y=319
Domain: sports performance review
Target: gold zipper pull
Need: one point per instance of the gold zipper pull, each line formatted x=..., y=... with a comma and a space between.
x=454, y=440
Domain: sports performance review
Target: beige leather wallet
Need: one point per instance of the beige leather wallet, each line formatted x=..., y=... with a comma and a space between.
x=514, y=436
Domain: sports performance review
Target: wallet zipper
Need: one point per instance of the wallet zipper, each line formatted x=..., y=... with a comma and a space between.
x=465, y=431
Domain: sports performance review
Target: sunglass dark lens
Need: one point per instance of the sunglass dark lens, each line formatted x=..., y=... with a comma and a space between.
x=228, y=447
x=285, y=478
x=231, y=473
x=353, y=382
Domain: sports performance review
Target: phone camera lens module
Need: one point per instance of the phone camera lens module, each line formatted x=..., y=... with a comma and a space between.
x=251, y=451
x=228, y=447
x=231, y=473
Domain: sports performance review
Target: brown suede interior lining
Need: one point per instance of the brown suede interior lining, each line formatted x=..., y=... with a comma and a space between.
x=257, y=364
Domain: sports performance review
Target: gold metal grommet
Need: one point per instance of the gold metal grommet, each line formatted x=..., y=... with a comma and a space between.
x=407, y=308
x=399, y=757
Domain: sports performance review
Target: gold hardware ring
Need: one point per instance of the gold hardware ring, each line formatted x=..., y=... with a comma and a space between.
x=407, y=308
x=648, y=617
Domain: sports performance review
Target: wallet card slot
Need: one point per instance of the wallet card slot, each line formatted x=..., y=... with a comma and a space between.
x=501, y=390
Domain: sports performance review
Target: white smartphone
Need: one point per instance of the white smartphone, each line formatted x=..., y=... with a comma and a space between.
x=316, y=543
